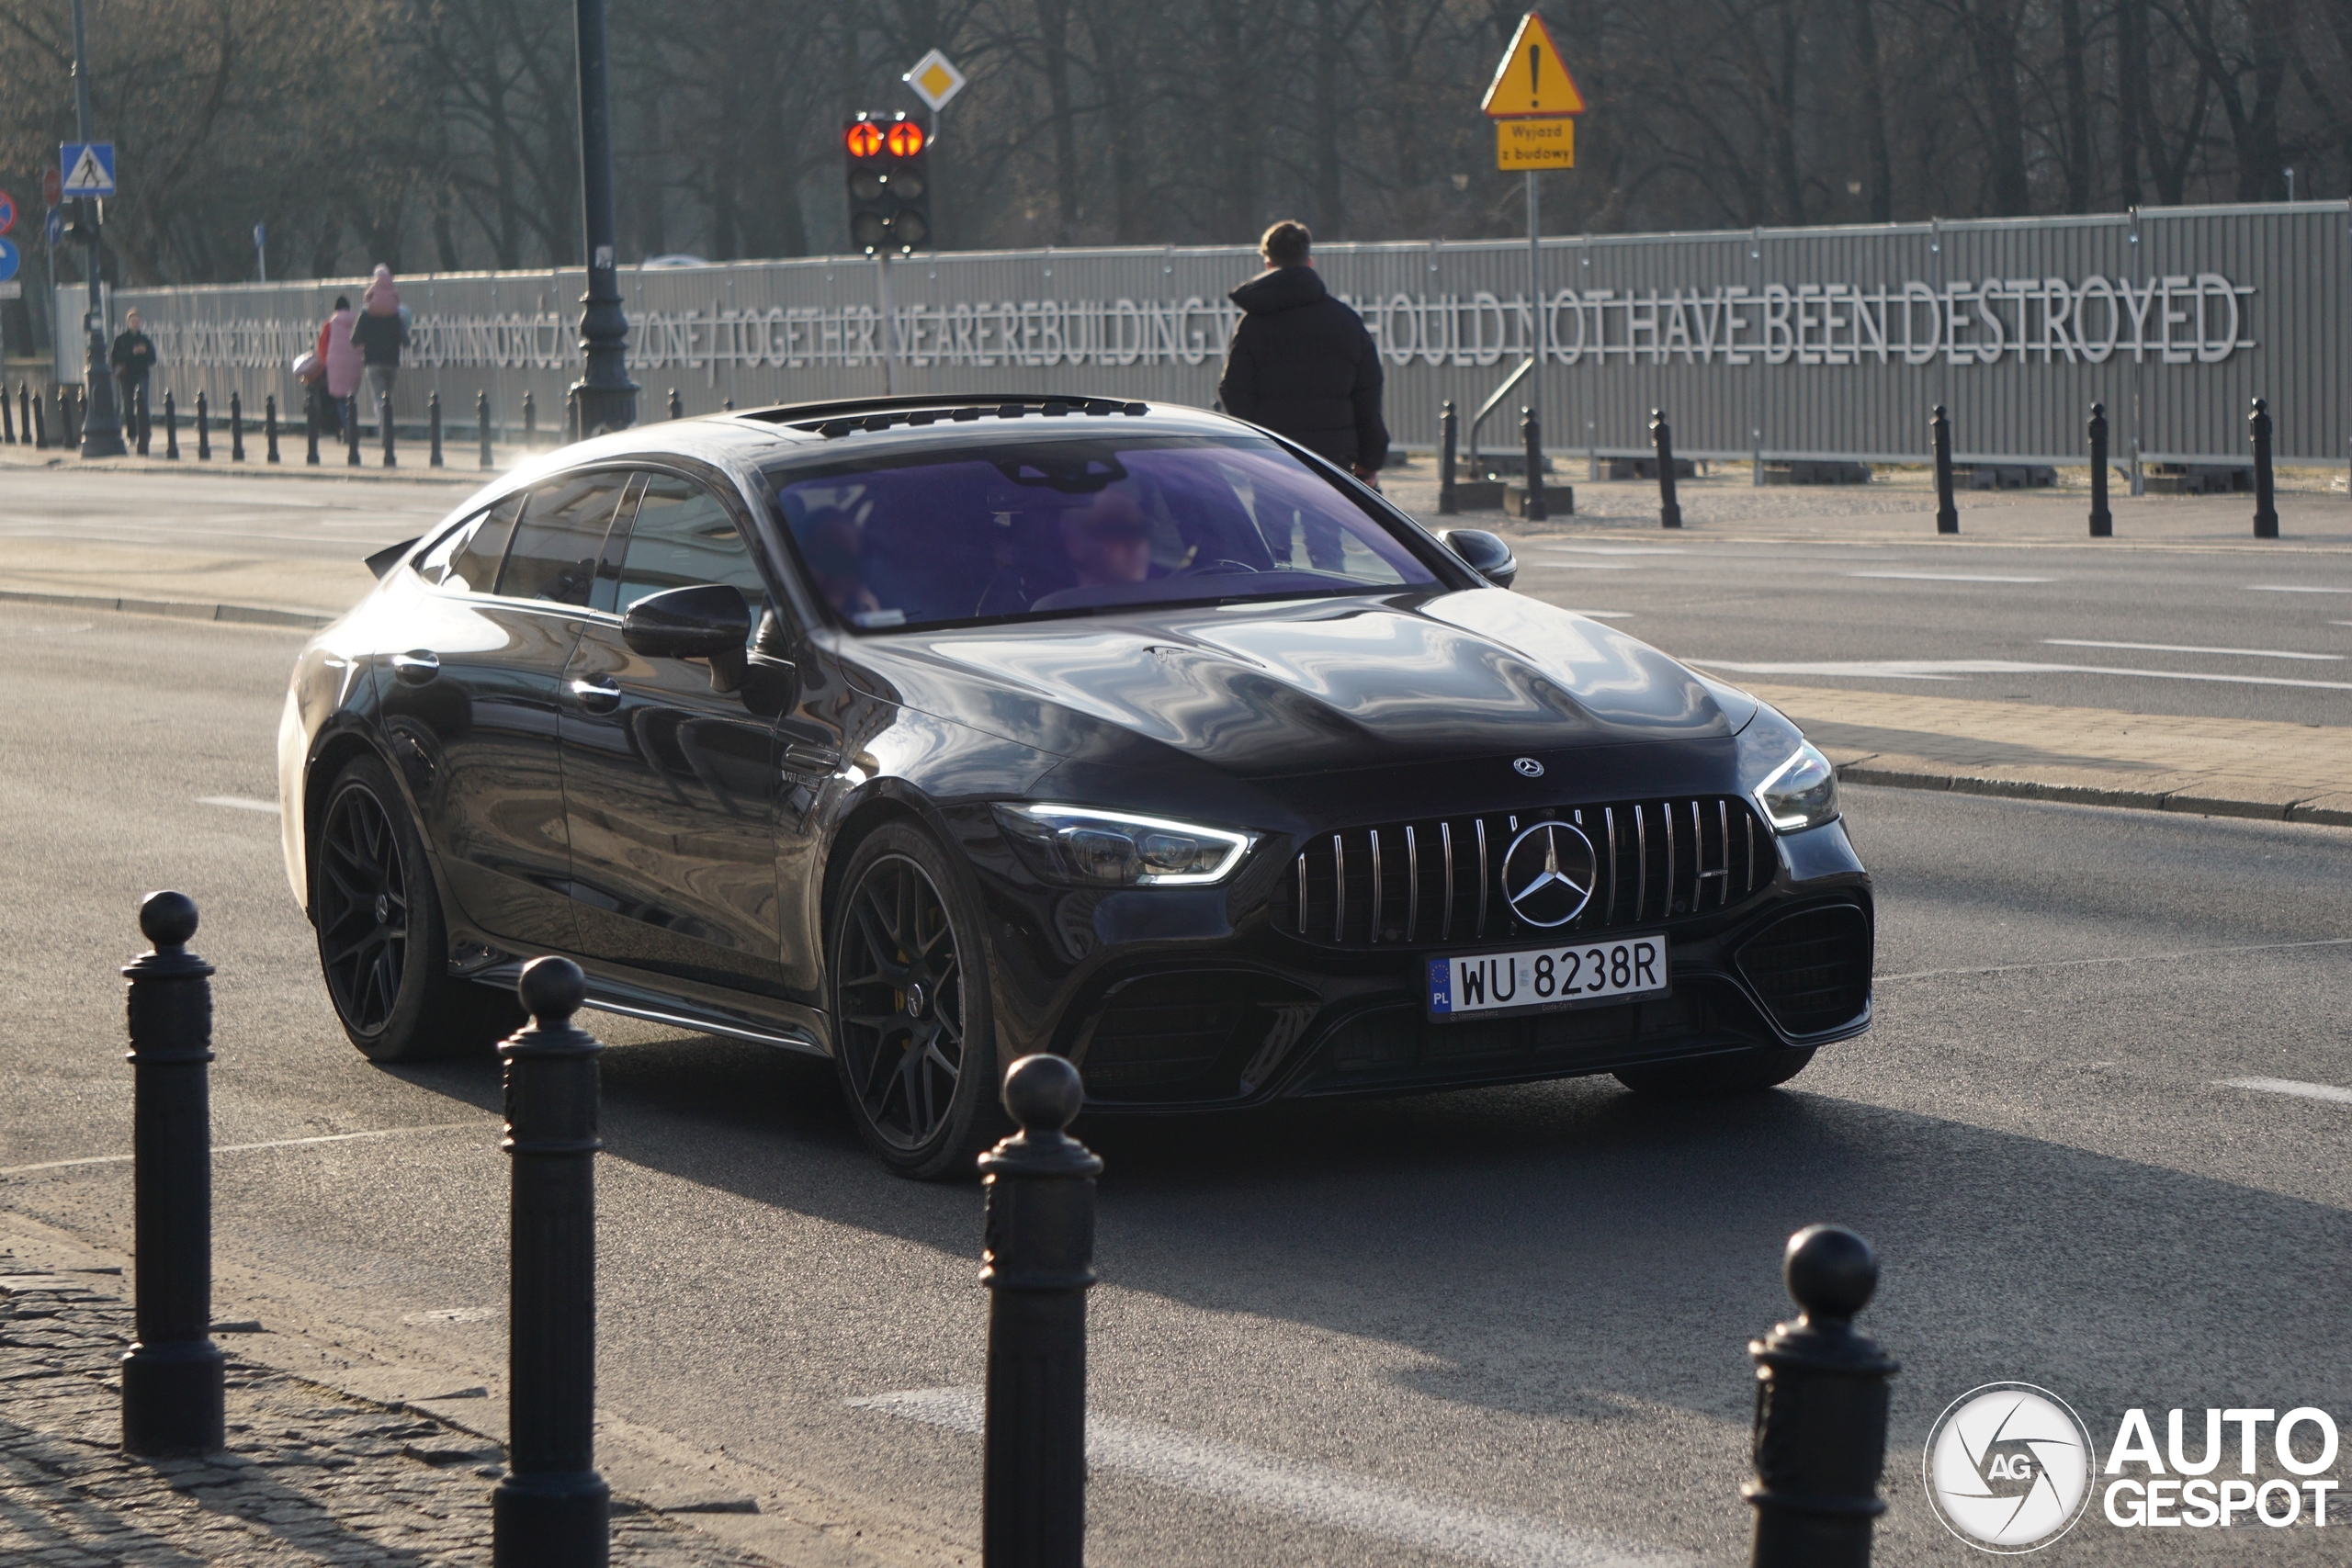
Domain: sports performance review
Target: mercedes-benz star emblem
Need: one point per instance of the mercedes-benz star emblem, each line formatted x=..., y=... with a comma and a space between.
x=1528, y=768
x=1547, y=873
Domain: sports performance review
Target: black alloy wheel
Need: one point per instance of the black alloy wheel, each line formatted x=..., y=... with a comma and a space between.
x=383, y=945
x=912, y=1029
x=362, y=909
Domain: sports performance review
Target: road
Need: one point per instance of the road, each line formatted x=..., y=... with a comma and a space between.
x=1500, y=1327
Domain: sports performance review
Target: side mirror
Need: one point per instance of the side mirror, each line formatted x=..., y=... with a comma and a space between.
x=709, y=620
x=1487, y=555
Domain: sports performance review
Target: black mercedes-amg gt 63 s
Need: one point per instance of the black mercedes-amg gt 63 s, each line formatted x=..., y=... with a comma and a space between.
x=922, y=733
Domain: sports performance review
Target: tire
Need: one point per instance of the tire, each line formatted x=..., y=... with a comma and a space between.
x=383, y=946
x=1743, y=1073
x=915, y=1045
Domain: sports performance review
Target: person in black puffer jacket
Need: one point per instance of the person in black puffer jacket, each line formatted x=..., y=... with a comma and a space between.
x=1301, y=363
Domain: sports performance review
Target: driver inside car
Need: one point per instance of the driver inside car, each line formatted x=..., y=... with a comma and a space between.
x=1107, y=541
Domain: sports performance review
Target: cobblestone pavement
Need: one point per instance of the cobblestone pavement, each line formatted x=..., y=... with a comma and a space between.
x=310, y=1476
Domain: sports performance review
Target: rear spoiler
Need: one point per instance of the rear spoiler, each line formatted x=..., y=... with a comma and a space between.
x=383, y=561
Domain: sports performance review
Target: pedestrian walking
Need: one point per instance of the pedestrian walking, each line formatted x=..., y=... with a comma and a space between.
x=1302, y=364
x=133, y=358
x=380, y=331
x=344, y=360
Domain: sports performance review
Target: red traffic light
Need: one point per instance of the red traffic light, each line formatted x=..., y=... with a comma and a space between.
x=864, y=140
x=906, y=139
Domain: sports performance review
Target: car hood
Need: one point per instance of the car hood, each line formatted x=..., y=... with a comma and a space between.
x=1308, y=686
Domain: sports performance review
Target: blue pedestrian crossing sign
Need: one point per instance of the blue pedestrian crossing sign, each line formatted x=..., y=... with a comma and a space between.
x=89, y=167
x=8, y=259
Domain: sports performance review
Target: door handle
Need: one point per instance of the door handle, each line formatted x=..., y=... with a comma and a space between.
x=415, y=667
x=597, y=696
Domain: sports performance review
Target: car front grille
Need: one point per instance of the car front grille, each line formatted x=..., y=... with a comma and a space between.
x=1813, y=967
x=1439, y=880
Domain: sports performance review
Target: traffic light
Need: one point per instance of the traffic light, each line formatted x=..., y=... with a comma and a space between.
x=888, y=158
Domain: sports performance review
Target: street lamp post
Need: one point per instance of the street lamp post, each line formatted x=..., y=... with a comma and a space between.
x=605, y=396
x=102, y=426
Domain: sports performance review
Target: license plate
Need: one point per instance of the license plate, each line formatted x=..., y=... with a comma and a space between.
x=1536, y=980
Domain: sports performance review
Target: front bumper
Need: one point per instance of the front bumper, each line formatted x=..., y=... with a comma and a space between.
x=1191, y=999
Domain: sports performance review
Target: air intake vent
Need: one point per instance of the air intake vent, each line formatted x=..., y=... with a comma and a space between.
x=1440, y=881
x=1813, y=968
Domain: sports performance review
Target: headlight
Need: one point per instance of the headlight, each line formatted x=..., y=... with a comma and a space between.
x=1113, y=849
x=1790, y=780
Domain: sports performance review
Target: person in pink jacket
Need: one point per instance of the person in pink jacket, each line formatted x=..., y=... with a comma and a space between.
x=344, y=358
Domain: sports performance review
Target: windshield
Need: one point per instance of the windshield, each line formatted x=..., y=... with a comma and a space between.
x=1045, y=525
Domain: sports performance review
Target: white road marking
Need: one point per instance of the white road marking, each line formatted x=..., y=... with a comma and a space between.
x=1950, y=577
x=2291, y=1086
x=1613, y=550
x=1589, y=565
x=238, y=803
x=1315, y=1493
x=1952, y=669
x=246, y=1148
x=2292, y=588
x=2119, y=958
x=2189, y=648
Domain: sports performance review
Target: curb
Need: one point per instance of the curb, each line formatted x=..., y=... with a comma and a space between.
x=235, y=614
x=222, y=470
x=2184, y=801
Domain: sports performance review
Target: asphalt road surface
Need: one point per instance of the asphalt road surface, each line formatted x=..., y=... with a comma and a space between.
x=1502, y=1327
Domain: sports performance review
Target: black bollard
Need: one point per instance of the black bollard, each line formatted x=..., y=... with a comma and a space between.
x=571, y=414
x=1669, y=511
x=1448, y=438
x=311, y=431
x=1821, y=1401
x=481, y=419
x=146, y=431
x=65, y=411
x=2265, y=508
x=41, y=422
x=432, y=418
x=350, y=406
x=203, y=429
x=171, y=429
x=727, y=405
x=1947, y=515
x=677, y=408
x=2102, y=520
x=270, y=424
x=1039, y=1265
x=1531, y=440
x=551, y=1509
x=172, y=1379
x=530, y=421
x=25, y=412
x=7, y=415
x=384, y=427
x=236, y=427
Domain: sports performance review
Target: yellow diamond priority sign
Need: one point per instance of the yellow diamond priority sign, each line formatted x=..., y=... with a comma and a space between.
x=935, y=79
x=1532, y=80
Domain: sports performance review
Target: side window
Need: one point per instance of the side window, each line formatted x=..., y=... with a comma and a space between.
x=466, y=560
x=562, y=534
x=684, y=537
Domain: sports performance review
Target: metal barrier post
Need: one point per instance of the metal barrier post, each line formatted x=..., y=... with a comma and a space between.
x=139, y=412
x=172, y=1379
x=481, y=418
x=1821, y=1402
x=1947, y=515
x=171, y=428
x=1448, y=426
x=1669, y=510
x=270, y=424
x=1531, y=440
x=236, y=427
x=203, y=428
x=433, y=418
x=530, y=421
x=1039, y=1265
x=677, y=408
x=2102, y=520
x=384, y=427
x=2265, y=508
x=350, y=407
x=311, y=431
x=40, y=417
x=7, y=415
x=551, y=1509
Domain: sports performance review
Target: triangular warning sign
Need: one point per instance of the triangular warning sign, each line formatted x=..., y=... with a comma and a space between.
x=88, y=173
x=1532, y=78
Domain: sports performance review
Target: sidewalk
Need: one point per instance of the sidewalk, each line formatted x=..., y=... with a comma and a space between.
x=312, y=1475
x=462, y=464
